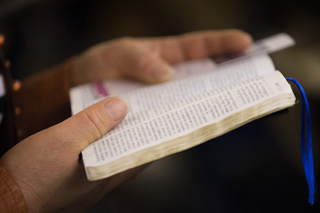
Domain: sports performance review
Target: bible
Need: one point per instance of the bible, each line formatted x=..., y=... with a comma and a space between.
x=207, y=98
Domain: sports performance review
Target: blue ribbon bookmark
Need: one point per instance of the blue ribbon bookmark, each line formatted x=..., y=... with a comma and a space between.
x=306, y=151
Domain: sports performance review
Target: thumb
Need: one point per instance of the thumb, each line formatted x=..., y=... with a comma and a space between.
x=92, y=123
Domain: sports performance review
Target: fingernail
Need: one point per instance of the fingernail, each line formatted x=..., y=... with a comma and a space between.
x=161, y=73
x=117, y=108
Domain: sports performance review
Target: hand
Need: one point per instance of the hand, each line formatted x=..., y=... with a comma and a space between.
x=46, y=165
x=151, y=59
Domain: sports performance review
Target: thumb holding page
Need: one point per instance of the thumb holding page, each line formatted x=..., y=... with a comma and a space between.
x=93, y=122
x=46, y=165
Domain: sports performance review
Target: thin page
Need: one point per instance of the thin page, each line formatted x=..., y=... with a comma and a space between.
x=228, y=73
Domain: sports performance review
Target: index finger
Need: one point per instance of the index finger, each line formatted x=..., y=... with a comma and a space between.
x=188, y=46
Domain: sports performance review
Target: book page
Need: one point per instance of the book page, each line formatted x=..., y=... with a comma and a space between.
x=154, y=125
x=232, y=72
x=85, y=95
x=224, y=74
x=154, y=96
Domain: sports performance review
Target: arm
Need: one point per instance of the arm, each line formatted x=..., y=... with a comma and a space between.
x=46, y=165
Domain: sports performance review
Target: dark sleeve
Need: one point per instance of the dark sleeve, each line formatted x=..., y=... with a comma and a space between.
x=43, y=100
x=11, y=197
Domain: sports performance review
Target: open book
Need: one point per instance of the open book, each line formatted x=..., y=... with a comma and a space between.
x=207, y=99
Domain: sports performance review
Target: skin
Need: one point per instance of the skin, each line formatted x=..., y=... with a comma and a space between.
x=151, y=59
x=46, y=165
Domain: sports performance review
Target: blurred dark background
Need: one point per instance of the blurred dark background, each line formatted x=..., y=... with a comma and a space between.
x=256, y=168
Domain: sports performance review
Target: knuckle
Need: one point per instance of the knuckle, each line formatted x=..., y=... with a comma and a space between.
x=97, y=124
x=125, y=41
x=145, y=62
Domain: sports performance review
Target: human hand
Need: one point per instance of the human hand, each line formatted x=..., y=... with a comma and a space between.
x=46, y=165
x=151, y=59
